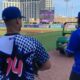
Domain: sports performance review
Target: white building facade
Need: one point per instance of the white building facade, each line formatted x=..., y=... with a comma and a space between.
x=29, y=8
x=46, y=4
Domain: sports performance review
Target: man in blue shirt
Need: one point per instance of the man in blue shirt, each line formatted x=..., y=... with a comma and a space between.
x=20, y=56
x=74, y=48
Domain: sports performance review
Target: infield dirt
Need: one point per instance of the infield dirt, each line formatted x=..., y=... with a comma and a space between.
x=61, y=67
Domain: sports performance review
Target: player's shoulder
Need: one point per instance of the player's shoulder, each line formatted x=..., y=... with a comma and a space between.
x=28, y=40
x=26, y=43
x=22, y=37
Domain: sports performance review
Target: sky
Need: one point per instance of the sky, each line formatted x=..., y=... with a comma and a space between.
x=62, y=8
x=69, y=8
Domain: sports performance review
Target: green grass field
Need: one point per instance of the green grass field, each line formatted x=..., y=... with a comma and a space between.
x=47, y=39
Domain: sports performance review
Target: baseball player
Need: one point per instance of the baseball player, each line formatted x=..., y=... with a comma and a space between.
x=74, y=49
x=20, y=56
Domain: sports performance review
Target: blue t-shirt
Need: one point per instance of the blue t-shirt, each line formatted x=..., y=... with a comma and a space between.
x=28, y=49
x=74, y=48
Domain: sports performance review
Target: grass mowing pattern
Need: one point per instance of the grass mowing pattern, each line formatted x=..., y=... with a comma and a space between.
x=47, y=39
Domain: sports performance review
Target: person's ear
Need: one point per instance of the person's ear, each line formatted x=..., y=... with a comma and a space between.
x=17, y=21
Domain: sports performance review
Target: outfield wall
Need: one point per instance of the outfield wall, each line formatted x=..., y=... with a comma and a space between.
x=33, y=30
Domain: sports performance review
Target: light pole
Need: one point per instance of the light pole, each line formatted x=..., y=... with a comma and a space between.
x=66, y=1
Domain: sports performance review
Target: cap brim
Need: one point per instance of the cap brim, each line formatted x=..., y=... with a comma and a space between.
x=23, y=17
x=76, y=17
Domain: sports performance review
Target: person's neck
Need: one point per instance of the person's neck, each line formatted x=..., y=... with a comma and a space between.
x=11, y=30
x=9, y=34
x=12, y=33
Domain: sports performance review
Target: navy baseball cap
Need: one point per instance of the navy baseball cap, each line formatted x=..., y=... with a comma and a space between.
x=78, y=15
x=10, y=13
